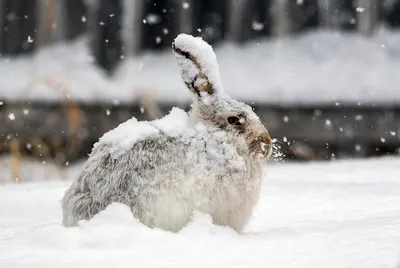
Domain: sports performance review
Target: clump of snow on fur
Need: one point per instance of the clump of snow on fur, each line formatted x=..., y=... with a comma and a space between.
x=123, y=137
x=204, y=55
x=174, y=123
x=128, y=133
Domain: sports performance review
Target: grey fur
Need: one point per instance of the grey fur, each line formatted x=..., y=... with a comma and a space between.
x=213, y=167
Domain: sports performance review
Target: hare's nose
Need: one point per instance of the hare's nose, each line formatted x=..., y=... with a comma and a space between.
x=267, y=138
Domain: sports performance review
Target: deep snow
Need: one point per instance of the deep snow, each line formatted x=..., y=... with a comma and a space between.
x=329, y=214
x=320, y=66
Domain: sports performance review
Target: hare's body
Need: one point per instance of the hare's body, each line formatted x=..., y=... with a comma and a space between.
x=165, y=169
x=164, y=179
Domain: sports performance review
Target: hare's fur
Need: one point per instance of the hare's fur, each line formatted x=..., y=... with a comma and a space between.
x=210, y=165
x=162, y=181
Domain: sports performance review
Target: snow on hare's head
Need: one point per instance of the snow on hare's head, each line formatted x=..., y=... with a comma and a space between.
x=213, y=107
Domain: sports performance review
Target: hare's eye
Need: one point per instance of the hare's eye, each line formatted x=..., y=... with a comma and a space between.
x=235, y=120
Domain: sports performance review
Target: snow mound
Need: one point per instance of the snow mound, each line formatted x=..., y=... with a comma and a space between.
x=112, y=228
x=315, y=67
x=334, y=215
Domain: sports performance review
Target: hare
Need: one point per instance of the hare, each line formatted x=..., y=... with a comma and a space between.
x=209, y=159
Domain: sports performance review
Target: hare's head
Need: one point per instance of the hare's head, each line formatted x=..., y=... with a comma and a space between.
x=200, y=72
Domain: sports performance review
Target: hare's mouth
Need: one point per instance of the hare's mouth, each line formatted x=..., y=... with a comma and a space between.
x=261, y=149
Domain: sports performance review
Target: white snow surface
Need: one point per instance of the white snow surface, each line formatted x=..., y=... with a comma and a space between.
x=320, y=66
x=329, y=214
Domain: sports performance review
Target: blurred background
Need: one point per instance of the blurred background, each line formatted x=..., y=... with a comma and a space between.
x=321, y=74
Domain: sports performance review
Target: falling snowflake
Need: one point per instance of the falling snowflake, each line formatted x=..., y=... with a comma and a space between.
x=358, y=117
x=317, y=112
x=11, y=16
x=11, y=116
x=83, y=19
x=383, y=140
x=286, y=119
x=360, y=9
x=158, y=40
x=153, y=19
x=185, y=5
x=108, y=112
x=30, y=40
x=257, y=26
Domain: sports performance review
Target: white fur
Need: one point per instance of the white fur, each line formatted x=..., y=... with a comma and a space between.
x=166, y=169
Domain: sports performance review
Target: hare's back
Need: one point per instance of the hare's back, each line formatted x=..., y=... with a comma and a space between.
x=145, y=160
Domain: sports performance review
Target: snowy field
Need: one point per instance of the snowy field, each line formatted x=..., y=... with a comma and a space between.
x=330, y=214
x=320, y=66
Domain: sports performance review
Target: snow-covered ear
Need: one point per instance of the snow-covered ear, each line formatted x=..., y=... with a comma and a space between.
x=198, y=65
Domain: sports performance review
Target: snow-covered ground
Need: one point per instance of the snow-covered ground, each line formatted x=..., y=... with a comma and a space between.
x=329, y=214
x=320, y=66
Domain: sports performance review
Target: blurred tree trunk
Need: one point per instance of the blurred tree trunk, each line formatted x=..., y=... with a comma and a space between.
x=186, y=16
x=76, y=18
x=106, y=33
x=281, y=17
x=392, y=12
x=367, y=16
x=51, y=21
x=304, y=15
x=18, y=20
x=213, y=20
x=327, y=11
x=338, y=13
x=238, y=17
x=132, y=26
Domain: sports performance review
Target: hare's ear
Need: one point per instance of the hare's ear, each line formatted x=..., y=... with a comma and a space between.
x=198, y=65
